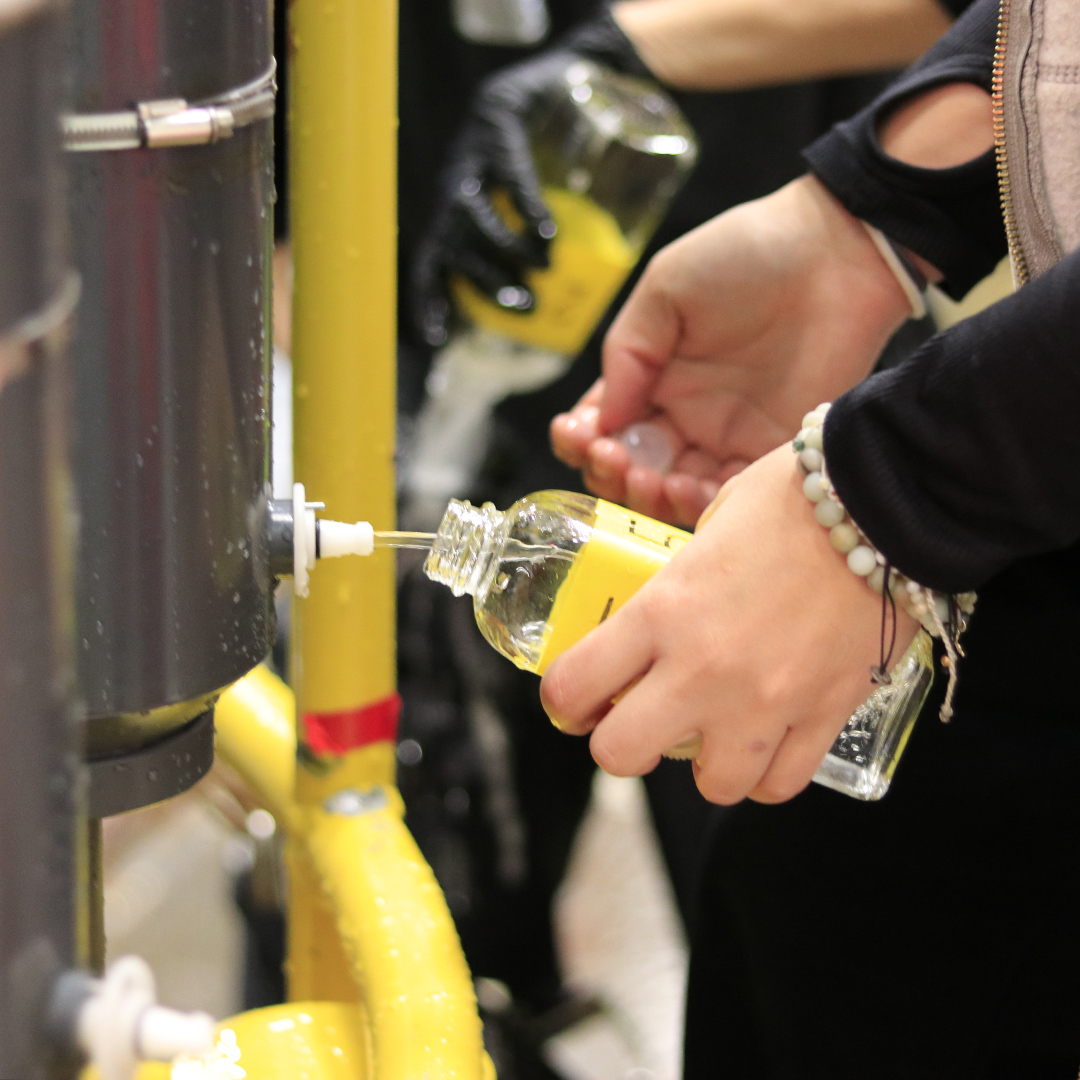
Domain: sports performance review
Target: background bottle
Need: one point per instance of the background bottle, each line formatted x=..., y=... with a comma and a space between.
x=557, y=564
x=611, y=151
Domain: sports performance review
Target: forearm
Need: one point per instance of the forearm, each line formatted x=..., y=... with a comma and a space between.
x=733, y=44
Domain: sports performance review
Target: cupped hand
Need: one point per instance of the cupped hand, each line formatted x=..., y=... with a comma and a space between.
x=756, y=636
x=733, y=333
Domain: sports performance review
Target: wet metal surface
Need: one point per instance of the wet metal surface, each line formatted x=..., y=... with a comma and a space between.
x=152, y=773
x=172, y=359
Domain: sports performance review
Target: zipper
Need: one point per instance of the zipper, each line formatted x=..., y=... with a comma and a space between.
x=1021, y=272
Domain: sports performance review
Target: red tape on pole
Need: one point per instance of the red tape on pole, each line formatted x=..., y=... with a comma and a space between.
x=340, y=732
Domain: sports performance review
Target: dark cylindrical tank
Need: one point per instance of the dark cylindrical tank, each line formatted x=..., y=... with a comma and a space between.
x=38, y=739
x=172, y=370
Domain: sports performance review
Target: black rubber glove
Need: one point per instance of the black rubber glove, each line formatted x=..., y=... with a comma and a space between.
x=468, y=237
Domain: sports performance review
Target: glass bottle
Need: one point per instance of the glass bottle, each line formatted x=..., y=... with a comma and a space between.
x=611, y=151
x=556, y=564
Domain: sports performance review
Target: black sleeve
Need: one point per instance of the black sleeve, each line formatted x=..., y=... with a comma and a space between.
x=955, y=8
x=951, y=217
x=967, y=456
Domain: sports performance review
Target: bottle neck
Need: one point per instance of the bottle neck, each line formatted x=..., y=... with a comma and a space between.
x=466, y=540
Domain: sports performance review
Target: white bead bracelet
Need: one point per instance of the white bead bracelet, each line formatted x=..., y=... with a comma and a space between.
x=942, y=615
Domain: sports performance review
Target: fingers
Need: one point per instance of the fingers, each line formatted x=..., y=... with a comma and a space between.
x=512, y=165
x=605, y=469
x=688, y=497
x=633, y=733
x=478, y=224
x=639, y=343
x=717, y=501
x=645, y=493
x=502, y=286
x=793, y=765
x=572, y=433
x=577, y=690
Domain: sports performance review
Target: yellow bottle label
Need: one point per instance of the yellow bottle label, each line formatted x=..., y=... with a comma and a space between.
x=590, y=259
x=623, y=552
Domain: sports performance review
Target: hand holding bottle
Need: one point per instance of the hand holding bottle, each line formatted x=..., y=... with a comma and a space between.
x=756, y=636
x=470, y=238
x=732, y=334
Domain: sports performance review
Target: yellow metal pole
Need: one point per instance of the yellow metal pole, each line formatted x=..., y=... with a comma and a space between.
x=343, y=132
x=363, y=905
x=367, y=921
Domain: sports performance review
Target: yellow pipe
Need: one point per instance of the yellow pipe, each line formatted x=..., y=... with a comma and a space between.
x=367, y=921
x=397, y=934
x=314, y=1040
x=343, y=131
x=255, y=733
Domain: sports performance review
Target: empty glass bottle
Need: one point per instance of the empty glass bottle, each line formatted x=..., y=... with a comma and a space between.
x=556, y=564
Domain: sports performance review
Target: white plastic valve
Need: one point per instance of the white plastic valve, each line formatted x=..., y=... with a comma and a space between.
x=326, y=540
x=121, y=1024
x=336, y=538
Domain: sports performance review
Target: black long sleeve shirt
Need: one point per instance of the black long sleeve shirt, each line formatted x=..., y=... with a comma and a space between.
x=962, y=464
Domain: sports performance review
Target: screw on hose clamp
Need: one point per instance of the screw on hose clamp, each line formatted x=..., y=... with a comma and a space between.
x=171, y=122
x=175, y=123
x=350, y=802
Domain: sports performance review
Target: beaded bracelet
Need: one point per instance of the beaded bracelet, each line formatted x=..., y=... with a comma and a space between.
x=942, y=615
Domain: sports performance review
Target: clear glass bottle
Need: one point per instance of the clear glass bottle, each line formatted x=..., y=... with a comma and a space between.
x=611, y=152
x=556, y=564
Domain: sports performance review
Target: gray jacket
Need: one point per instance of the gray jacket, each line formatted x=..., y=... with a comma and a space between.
x=1037, y=121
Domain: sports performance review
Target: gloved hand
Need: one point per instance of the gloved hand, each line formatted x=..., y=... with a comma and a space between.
x=468, y=236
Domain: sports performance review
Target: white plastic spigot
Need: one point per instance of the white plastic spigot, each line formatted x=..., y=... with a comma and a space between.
x=336, y=538
x=121, y=1024
x=322, y=540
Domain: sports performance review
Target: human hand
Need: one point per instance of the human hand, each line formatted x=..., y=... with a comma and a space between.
x=733, y=333
x=756, y=637
x=469, y=236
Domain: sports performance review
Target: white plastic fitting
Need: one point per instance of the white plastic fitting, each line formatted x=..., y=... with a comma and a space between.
x=335, y=538
x=121, y=1024
x=303, y=540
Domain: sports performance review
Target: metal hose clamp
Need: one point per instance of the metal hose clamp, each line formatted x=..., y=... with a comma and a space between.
x=173, y=122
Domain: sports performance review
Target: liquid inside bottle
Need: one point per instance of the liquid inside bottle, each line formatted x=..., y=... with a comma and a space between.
x=611, y=152
x=557, y=564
